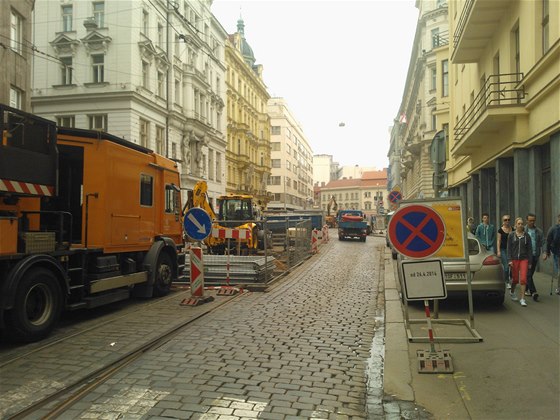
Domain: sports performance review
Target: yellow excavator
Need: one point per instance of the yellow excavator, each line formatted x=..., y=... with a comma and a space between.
x=332, y=205
x=233, y=211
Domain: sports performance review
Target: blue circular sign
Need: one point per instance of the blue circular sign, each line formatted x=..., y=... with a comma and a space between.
x=197, y=223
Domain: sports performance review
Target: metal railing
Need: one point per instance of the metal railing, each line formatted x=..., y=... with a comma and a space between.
x=498, y=90
x=286, y=244
x=462, y=22
x=440, y=39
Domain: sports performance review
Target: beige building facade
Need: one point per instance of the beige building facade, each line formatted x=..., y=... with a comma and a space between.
x=248, y=124
x=504, y=143
x=291, y=180
x=16, y=53
x=367, y=193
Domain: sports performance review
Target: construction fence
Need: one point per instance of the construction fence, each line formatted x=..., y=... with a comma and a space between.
x=282, y=245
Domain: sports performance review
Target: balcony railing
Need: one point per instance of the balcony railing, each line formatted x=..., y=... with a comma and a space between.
x=498, y=90
x=440, y=39
x=462, y=22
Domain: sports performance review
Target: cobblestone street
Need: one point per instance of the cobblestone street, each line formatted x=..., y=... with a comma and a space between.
x=301, y=350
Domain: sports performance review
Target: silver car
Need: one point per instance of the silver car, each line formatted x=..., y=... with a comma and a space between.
x=487, y=274
x=486, y=269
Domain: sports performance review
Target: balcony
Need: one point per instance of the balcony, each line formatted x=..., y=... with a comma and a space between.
x=499, y=102
x=475, y=28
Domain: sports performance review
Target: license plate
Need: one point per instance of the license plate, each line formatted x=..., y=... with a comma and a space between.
x=455, y=276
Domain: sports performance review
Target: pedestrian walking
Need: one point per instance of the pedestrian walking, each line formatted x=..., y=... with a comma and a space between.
x=519, y=252
x=537, y=237
x=486, y=232
x=471, y=226
x=502, y=240
x=553, y=248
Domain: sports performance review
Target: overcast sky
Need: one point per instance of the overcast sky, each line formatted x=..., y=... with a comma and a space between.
x=334, y=62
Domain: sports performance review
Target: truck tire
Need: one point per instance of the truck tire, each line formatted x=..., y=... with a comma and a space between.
x=164, y=274
x=37, y=306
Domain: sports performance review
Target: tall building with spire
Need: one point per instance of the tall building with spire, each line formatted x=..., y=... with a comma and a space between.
x=248, y=124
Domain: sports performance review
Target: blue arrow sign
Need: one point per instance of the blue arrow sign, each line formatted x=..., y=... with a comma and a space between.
x=197, y=224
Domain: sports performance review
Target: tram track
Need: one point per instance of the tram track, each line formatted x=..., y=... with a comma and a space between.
x=58, y=340
x=65, y=397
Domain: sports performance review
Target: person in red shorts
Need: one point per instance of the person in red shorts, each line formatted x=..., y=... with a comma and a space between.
x=520, y=252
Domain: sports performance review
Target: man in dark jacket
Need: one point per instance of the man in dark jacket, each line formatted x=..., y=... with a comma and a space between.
x=553, y=247
x=536, y=235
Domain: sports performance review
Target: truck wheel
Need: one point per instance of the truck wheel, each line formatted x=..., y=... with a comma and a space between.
x=164, y=274
x=37, y=306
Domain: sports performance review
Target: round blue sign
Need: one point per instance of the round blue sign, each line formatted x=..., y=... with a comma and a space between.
x=197, y=223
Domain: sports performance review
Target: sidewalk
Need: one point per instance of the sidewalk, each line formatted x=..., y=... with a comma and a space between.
x=512, y=374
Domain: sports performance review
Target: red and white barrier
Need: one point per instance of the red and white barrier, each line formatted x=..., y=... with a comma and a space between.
x=314, y=241
x=26, y=188
x=230, y=233
x=325, y=234
x=197, y=279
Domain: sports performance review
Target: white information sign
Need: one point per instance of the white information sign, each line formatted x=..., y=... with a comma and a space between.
x=423, y=279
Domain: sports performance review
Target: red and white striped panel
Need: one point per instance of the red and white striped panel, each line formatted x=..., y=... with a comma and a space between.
x=26, y=188
x=229, y=233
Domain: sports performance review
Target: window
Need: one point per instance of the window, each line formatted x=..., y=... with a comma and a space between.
x=16, y=37
x=145, y=75
x=144, y=133
x=435, y=38
x=211, y=166
x=174, y=151
x=218, y=167
x=444, y=78
x=15, y=97
x=98, y=65
x=66, y=71
x=172, y=199
x=99, y=13
x=177, y=91
x=160, y=137
x=160, y=84
x=98, y=122
x=545, y=26
x=275, y=129
x=275, y=146
x=276, y=163
x=516, y=51
x=160, y=34
x=274, y=180
x=433, y=73
x=66, y=18
x=145, y=22
x=65, y=121
x=434, y=121
x=146, y=190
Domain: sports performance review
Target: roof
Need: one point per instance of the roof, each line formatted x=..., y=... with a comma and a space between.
x=382, y=174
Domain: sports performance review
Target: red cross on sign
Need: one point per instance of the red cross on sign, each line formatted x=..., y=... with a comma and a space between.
x=416, y=231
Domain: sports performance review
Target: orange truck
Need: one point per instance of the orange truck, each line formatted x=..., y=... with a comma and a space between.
x=86, y=219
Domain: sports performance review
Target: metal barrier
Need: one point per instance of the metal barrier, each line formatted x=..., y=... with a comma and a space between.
x=286, y=244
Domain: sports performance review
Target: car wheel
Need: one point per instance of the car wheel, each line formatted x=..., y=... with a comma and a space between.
x=497, y=300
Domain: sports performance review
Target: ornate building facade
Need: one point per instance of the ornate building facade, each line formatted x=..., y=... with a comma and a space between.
x=16, y=53
x=150, y=72
x=248, y=124
x=424, y=108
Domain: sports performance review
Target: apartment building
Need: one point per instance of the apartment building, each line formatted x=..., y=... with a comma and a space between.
x=291, y=180
x=504, y=80
x=16, y=53
x=248, y=124
x=150, y=72
x=325, y=169
x=424, y=108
